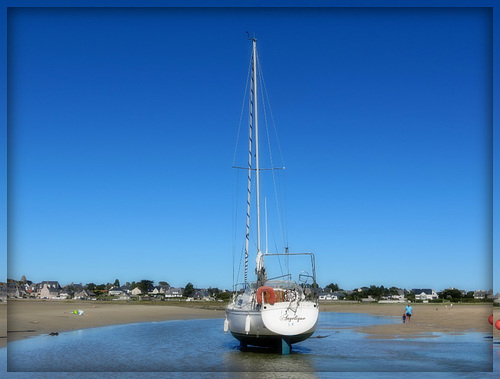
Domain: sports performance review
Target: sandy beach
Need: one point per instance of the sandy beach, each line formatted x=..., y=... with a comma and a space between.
x=427, y=318
x=34, y=317
x=3, y=324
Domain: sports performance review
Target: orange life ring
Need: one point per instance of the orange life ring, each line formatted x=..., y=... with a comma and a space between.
x=267, y=293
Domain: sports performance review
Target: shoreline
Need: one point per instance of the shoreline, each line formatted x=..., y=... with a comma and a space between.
x=427, y=319
x=28, y=318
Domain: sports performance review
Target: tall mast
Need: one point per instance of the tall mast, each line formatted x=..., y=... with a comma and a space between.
x=249, y=186
x=256, y=123
x=259, y=269
x=265, y=208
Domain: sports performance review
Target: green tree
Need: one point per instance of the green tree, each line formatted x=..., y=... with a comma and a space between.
x=451, y=294
x=145, y=285
x=188, y=290
x=162, y=283
x=223, y=296
x=213, y=291
x=375, y=292
x=355, y=296
x=393, y=291
x=410, y=296
x=116, y=283
x=333, y=287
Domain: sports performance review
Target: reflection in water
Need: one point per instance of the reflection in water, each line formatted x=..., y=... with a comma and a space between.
x=264, y=360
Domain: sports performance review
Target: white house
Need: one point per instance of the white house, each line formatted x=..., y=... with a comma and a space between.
x=124, y=296
x=136, y=291
x=202, y=295
x=424, y=294
x=160, y=289
x=115, y=291
x=49, y=292
x=480, y=295
x=83, y=294
x=64, y=295
x=327, y=296
x=174, y=292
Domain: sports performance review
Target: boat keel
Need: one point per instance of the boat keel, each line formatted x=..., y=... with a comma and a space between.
x=286, y=346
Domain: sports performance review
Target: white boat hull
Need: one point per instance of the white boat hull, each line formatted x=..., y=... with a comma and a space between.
x=272, y=323
x=286, y=320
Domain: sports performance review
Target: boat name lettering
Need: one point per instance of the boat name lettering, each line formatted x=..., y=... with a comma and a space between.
x=291, y=318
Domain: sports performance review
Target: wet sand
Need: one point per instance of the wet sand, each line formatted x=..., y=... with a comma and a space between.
x=426, y=319
x=3, y=324
x=34, y=317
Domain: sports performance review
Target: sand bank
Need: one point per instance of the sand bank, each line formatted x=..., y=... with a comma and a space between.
x=33, y=317
x=426, y=319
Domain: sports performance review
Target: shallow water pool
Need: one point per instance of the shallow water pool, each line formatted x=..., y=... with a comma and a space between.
x=201, y=346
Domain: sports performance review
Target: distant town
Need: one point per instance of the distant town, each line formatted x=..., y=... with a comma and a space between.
x=147, y=290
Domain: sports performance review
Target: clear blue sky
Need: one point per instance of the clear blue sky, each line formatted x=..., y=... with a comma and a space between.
x=122, y=128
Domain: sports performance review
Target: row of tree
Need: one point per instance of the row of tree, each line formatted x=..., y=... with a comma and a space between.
x=377, y=293
x=146, y=286
x=456, y=295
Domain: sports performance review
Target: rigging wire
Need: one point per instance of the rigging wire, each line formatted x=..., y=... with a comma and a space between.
x=235, y=202
x=235, y=218
x=263, y=88
x=242, y=110
x=285, y=206
x=280, y=218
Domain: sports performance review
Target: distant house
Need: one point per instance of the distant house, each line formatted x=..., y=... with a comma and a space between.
x=115, y=291
x=331, y=296
x=202, y=295
x=124, y=296
x=84, y=294
x=326, y=296
x=3, y=291
x=340, y=295
x=400, y=296
x=368, y=299
x=13, y=290
x=160, y=290
x=174, y=292
x=480, y=295
x=136, y=291
x=65, y=295
x=424, y=294
x=496, y=298
x=33, y=290
x=49, y=292
x=126, y=288
x=51, y=284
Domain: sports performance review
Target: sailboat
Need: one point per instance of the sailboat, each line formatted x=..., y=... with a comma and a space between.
x=279, y=311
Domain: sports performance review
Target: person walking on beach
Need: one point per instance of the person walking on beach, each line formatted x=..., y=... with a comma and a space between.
x=408, y=313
